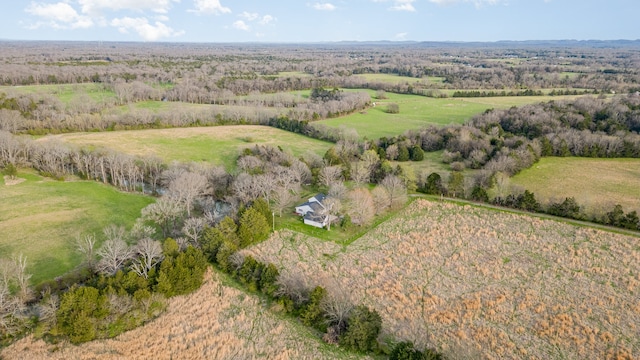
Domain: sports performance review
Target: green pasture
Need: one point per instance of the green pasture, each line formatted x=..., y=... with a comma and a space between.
x=415, y=112
x=157, y=107
x=65, y=93
x=419, y=111
x=392, y=78
x=219, y=145
x=40, y=218
x=598, y=184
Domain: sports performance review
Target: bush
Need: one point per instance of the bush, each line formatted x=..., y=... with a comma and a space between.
x=393, y=108
x=363, y=328
x=406, y=351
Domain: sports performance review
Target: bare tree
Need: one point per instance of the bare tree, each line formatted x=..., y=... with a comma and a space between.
x=337, y=307
x=330, y=175
x=337, y=190
x=293, y=284
x=85, y=245
x=282, y=198
x=113, y=255
x=360, y=206
x=192, y=230
x=380, y=199
x=148, y=255
x=331, y=208
x=187, y=187
x=140, y=231
x=165, y=212
x=396, y=189
x=502, y=184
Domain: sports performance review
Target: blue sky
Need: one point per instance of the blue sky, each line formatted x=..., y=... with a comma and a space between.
x=314, y=21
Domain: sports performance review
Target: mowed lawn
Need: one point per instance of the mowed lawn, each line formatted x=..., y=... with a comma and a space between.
x=417, y=112
x=219, y=145
x=598, y=184
x=40, y=218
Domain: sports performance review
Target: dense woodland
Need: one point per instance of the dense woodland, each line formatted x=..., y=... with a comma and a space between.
x=205, y=213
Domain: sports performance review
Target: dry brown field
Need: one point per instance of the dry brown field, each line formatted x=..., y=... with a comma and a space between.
x=215, y=322
x=477, y=283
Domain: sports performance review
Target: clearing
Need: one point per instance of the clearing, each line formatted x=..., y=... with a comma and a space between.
x=40, y=218
x=417, y=112
x=219, y=145
x=596, y=184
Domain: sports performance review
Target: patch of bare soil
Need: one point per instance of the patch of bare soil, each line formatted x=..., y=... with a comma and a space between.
x=8, y=180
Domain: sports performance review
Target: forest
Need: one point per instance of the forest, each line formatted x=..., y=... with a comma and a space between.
x=546, y=100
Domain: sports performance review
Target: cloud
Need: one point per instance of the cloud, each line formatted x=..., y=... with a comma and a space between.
x=209, y=7
x=477, y=3
x=241, y=25
x=266, y=20
x=148, y=32
x=249, y=16
x=324, y=6
x=58, y=16
x=261, y=20
x=401, y=36
x=95, y=7
x=403, y=5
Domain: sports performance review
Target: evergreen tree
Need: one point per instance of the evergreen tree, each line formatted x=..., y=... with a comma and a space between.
x=253, y=228
x=363, y=328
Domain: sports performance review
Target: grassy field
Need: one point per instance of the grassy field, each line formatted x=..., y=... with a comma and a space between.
x=215, y=322
x=477, y=283
x=418, y=111
x=598, y=184
x=392, y=78
x=66, y=93
x=40, y=218
x=219, y=144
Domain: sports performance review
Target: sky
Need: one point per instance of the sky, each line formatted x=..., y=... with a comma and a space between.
x=295, y=21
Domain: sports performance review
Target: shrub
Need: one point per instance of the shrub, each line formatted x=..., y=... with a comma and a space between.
x=363, y=328
x=393, y=108
x=406, y=351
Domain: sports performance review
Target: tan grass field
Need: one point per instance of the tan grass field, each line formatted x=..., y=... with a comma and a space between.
x=476, y=283
x=215, y=322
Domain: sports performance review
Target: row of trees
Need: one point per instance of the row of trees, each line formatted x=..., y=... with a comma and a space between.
x=45, y=113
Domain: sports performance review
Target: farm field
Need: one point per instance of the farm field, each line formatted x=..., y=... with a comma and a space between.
x=218, y=144
x=598, y=184
x=478, y=283
x=419, y=111
x=65, y=93
x=392, y=78
x=40, y=218
x=215, y=322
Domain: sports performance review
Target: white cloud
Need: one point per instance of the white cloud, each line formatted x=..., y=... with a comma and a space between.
x=59, y=16
x=266, y=20
x=401, y=36
x=324, y=6
x=209, y=7
x=261, y=20
x=241, y=25
x=148, y=32
x=403, y=5
x=249, y=16
x=477, y=3
x=95, y=7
